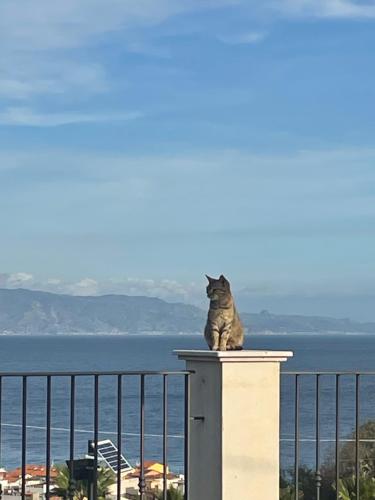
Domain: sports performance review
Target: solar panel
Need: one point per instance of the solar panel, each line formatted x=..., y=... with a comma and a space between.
x=107, y=452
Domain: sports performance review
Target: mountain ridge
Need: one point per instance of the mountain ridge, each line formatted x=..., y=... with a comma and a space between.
x=24, y=311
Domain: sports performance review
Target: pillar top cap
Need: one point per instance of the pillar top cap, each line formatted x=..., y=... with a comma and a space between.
x=245, y=356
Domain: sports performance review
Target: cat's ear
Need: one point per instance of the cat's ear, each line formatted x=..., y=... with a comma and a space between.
x=209, y=278
x=223, y=280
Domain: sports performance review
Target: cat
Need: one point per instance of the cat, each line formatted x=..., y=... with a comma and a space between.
x=224, y=330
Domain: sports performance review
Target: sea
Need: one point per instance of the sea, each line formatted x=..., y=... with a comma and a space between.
x=67, y=353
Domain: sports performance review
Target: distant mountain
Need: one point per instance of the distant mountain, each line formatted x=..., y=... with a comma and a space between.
x=33, y=312
x=27, y=311
x=287, y=323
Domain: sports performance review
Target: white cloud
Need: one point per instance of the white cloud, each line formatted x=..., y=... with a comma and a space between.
x=324, y=8
x=29, y=117
x=40, y=41
x=170, y=290
x=17, y=280
x=248, y=38
x=120, y=180
x=37, y=38
x=165, y=289
x=44, y=25
x=53, y=281
x=24, y=76
x=86, y=286
x=187, y=292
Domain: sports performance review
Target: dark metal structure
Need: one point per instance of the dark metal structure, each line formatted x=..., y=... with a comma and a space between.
x=353, y=378
x=120, y=376
x=294, y=398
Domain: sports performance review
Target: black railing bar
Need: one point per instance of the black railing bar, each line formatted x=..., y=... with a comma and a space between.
x=317, y=435
x=96, y=436
x=142, y=483
x=24, y=436
x=89, y=431
x=187, y=438
x=71, y=435
x=1, y=398
x=337, y=438
x=357, y=464
x=93, y=373
x=119, y=435
x=165, y=434
x=296, y=438
x=327, y=373
x=48, y=438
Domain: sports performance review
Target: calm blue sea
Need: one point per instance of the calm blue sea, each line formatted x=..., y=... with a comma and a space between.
x=154, y=352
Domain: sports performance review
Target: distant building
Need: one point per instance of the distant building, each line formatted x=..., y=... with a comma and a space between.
x=11, y=481
x=153, y=472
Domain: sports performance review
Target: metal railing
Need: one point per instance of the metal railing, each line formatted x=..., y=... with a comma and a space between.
x=333, y=416
x=142, y=376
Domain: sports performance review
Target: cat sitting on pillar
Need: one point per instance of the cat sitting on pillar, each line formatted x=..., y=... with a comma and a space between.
x=224, y=330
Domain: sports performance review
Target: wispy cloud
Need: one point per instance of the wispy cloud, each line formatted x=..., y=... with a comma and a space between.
x=43, y=25
x=19, y=116
x=166, y=289
x=48, y=48
x=36, y=40
x=26, y=76
x=325, y=8
x=16, y=280
x=254, y=296
x=248, y=38
x=328, y=188
x=85, y=286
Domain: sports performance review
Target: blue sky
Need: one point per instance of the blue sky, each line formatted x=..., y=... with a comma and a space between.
x=144, y=143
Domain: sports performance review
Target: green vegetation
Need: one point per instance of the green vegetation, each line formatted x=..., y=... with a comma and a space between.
x=106, y=477
x=347, y=488
x=287, y=493
x=347, y=484
x=172, y=494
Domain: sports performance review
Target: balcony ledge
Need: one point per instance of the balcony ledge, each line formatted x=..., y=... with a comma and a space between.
x=246, y=356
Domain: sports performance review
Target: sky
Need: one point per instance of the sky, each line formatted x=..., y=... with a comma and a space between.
x=144, y=143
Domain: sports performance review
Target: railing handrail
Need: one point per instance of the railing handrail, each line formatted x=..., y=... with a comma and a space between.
x=328, y=372
x=92, y=373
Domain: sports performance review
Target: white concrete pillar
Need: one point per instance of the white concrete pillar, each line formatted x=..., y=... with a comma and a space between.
x=234, y=424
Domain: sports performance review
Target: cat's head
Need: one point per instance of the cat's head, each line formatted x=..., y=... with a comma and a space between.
x=217, y=288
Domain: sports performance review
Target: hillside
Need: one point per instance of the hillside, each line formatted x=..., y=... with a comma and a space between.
x=287, y=323
x=26, y=311
x=33, y=312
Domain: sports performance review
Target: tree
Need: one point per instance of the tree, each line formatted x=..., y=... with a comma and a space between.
x=62, y=482
x=288, y=493
x=366, y=450
x=347, y=485
x=347, y=488
x=172, y=494
x=306, y=484
x=105, y=478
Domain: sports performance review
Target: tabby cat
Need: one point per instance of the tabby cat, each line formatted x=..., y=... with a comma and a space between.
x=223, y=331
